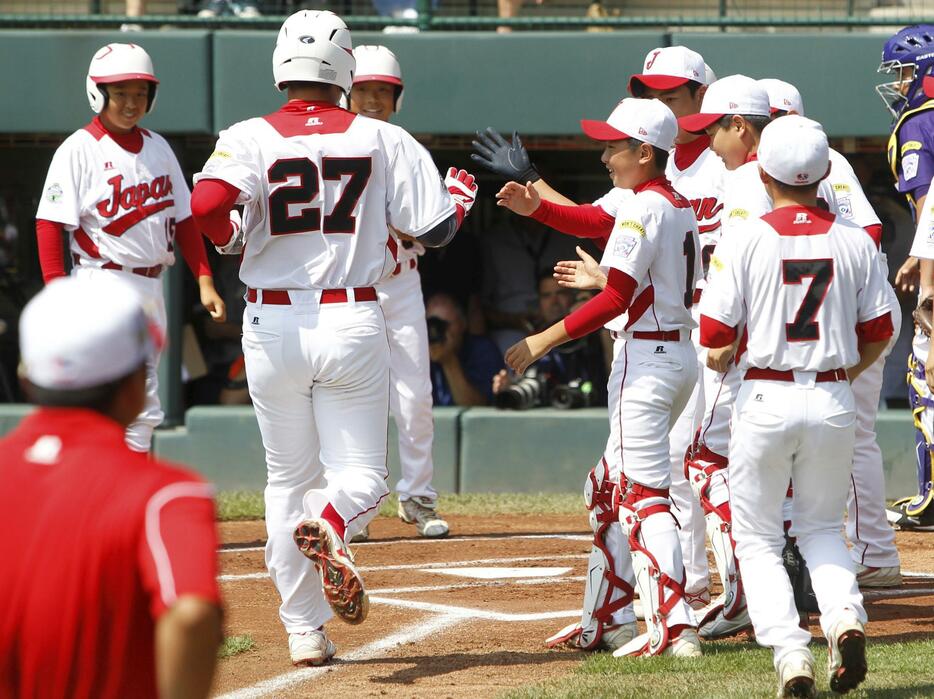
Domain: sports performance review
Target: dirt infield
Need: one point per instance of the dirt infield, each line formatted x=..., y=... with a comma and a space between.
x=446, y=621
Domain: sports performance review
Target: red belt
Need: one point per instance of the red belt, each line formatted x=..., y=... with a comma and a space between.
x=151, y=272
x=776, y=375
x=411, y=264
x=280, y=297
x=659, y=336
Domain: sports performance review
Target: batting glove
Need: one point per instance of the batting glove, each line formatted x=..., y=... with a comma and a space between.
x=462, y=188
x=234, y=246
x=508, y=160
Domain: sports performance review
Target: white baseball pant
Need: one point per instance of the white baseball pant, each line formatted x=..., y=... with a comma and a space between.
x=319, y=379
x=801, y=431
x=139, y=433
x=400, y=297
x=867, y=529
x=719, y=393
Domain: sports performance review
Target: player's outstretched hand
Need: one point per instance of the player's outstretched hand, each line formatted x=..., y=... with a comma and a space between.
x=908, y=277
x=526, y=352
x=584, y=273
x=501, y=381
x=462, y=187
x=518, y=198
x=719, y=358
x=211, y=300
x=508, y=160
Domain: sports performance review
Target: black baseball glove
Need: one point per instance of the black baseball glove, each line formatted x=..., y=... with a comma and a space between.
x=508, y=160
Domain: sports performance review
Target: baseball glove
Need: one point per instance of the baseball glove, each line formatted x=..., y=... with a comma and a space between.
x=924, y=314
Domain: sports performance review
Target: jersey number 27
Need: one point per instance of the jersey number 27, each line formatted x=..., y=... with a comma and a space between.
x=307, y=189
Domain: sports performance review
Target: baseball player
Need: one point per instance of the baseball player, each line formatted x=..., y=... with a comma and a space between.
x=320, y=187
x=806, y=285
x=652, y=263
x=377, y=93
x=868, y=531
x=109, y=557
x=909, y=55
x=120, y=194
x=678, y=77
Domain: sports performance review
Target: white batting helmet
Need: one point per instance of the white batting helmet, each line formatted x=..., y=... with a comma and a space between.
x=115, y=63
x=379, y=64
x=314, y=46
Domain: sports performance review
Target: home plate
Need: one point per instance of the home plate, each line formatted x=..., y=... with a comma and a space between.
x=498, y=573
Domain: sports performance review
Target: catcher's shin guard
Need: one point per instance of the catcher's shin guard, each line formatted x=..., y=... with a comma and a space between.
x=707, y=473
x=922, y=409
x=661, y=591
x=601, y=497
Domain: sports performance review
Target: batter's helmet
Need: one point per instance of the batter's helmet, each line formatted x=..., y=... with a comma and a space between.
x=379, y=64
x=912, y=47
x=314, y=46
x=115, y=63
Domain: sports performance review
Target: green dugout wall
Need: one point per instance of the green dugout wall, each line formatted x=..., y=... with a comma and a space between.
x=536, y=82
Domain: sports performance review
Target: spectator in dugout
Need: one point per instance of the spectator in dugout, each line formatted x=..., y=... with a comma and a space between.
x=462, y=364
x=579, y=363
x=108, y=562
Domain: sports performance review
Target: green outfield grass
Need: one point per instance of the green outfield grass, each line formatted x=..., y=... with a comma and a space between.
x=235, y=645
x=897, y=670
x=241, y=504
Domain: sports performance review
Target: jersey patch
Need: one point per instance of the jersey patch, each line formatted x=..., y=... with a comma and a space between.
x=221, y=154
x=54, y=192
x=633, y=225
x=911, y=145
x=910, y=165
x=624, y=245
x=841, y=187
x=844, y=206
x=716, y=263
x=739, y=213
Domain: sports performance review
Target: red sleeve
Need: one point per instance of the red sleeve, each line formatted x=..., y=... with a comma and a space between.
x=584, y=221
x=875, y=330
x=51, y=249
x=178, y=552
x=192, y=247
x=604, y=307
x=211, y=202
x=715, y=334
x=875, y=232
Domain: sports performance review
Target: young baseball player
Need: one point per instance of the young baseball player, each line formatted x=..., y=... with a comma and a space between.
x=652, y=263
x=377, y=93
x=678, y=77
x=909, y=55
x=806, y=285
x=873, y=540
x=320, y=187
x=120, y=194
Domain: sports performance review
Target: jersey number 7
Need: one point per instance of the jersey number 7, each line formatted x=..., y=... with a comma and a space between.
x=307, y=189
x=804, y=327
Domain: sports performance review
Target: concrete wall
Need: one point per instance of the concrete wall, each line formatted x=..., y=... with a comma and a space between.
x=475, y=450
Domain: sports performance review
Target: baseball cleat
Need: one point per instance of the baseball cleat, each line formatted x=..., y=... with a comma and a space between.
x=361, y=536
x=614, y=639
x=899, y=517
x=714, y=625
x=310, y=648
x=343, y=586
x=846, y=664
x=796, y=674
x=888, y=576
x=421, y=512
x=686, y=645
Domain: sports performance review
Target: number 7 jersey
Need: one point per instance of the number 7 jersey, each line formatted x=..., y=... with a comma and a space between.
x=320, y=186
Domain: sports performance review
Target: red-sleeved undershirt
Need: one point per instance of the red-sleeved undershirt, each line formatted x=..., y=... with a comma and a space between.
x=715, y=334
x=211, y=202
x=583, y=221
x=875, y=330
x=604, y=307
x=875, y=232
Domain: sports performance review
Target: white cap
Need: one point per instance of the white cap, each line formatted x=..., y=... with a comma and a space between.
x=783, y=97
x=645, y=120
x=794, y=150
x=80, y=333
x=710, y=76
x=734, y=94
x=668, y=67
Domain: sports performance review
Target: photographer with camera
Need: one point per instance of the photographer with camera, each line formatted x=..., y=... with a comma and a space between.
x=462, y=364
x=570, y=376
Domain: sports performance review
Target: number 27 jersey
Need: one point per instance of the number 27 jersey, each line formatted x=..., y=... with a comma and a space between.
x=320, y=186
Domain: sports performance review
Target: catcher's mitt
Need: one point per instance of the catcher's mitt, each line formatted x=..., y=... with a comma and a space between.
x=924, y=314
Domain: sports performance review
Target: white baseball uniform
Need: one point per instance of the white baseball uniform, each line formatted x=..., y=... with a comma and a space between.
x=400, y=297
x=120, y=209
x=320, y=187
x=803, y=282
x=654, y=241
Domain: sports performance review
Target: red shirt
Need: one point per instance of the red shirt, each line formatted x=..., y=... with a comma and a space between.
x=98, y=541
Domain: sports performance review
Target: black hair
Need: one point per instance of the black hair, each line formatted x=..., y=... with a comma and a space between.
x=756, y=121
x=661, y=156
x=97, y=398
x=149, y=100
x=693, y=87
x=639, y=88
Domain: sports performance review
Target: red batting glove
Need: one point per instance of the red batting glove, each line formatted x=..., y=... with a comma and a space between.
x=460, y=184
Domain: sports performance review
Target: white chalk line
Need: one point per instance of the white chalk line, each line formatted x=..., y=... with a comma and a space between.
x=449, y=540
x=468, y=613
x=420, y=630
